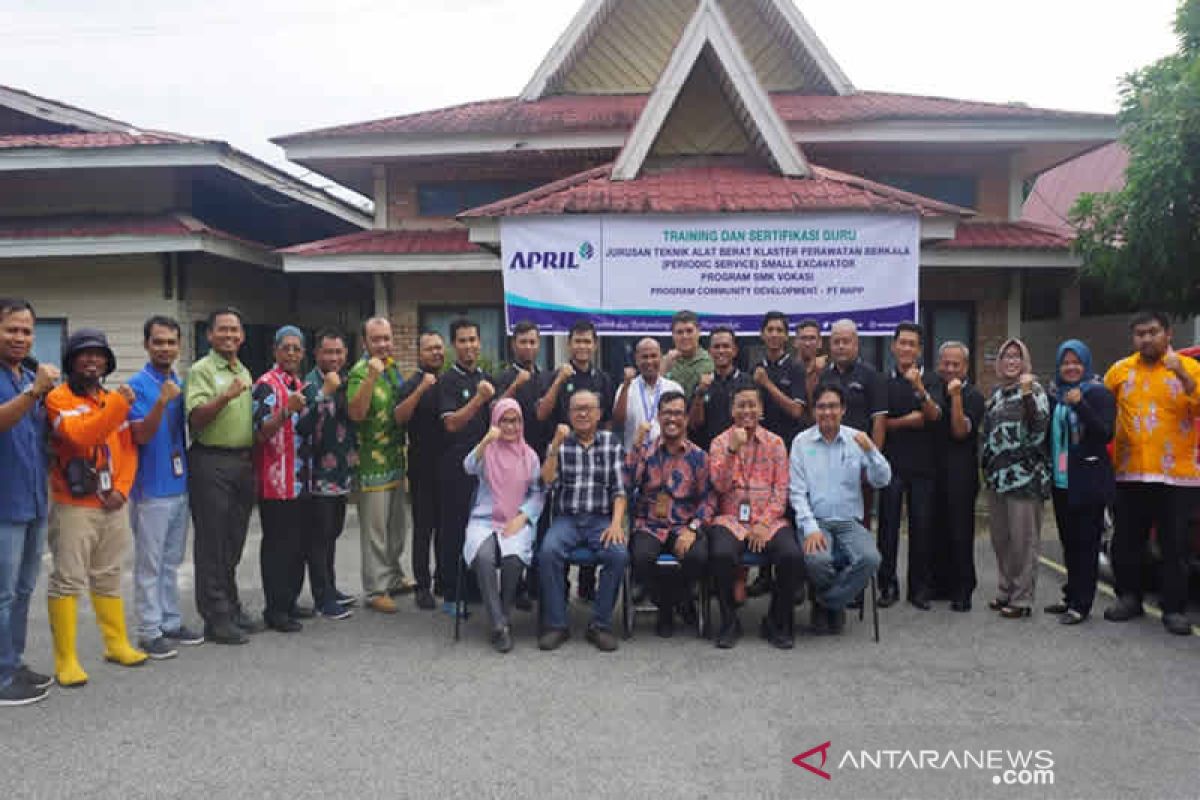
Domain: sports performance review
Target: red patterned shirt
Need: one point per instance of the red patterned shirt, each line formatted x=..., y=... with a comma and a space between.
x=757, y=473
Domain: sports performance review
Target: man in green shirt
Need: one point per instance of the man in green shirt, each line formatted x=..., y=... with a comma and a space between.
x=687, y=361
x=220, y=476
x=382, y=504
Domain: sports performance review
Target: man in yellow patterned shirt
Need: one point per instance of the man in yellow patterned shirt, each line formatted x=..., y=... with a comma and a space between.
x=1158, y=477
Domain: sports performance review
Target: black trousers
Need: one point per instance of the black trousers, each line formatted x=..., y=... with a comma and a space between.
x=324, y=522
x=457, y=497
x=668, y=585
x=920, y=492
x=953, y=534
x=425, y=489
x=782, y=552
x=1079, y=530
x=286, y=525
x=221, y=497
x=1166, y=509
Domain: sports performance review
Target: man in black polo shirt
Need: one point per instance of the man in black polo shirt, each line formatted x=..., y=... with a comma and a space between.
x=522, y=380
x=554, y=407
x=781, y=379
x=957, y=463
x=912, y=412
x=417, y=408
x=808, y=355
x=709, y=413
x=464, y=393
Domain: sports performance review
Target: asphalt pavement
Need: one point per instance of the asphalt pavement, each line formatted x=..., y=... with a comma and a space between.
x=945, y=706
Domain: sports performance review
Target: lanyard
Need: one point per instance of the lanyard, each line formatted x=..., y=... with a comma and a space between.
x=745, y=456
x=648, y=410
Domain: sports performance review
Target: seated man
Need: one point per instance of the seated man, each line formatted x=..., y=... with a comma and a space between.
x=668, y=476
x=583, y=469
x=827, y=464
x=749, y=469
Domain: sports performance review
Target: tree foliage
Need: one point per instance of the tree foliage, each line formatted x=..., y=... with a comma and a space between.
x=1144, y=240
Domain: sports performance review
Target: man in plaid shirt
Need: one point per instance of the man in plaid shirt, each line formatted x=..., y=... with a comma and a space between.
x=583, y=467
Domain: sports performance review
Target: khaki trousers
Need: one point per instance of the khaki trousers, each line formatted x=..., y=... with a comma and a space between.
x=383, y=531
x=1016, y=527
x=88, y=546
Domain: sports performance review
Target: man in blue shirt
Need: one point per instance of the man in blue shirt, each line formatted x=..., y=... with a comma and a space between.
x=828, y=462
x=159, y=503
x=23, y=485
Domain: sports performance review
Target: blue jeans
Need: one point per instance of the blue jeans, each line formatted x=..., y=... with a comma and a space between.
x=566, y=533
x=840, y=572
x=160, y=526
x=21, y=545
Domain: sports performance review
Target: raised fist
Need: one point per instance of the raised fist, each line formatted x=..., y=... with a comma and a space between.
x=738, y=438
x=522, y=377
x=1172, y=362
x=330, y=384
x=913, y=376
x=560, y=434
x=1073, y=397
x=375, y=367
x=565, y=372
x=429, y=379
x=819, y=363
x=236, y=387
x=492, y=435
x=47, y=375
x=296, y=403
x=669, y=359
x=643, y=430
x=760, y=376
x=486, y=390
x=864, y=441
x=1026, y=383
x=630, y=374
x=127, y=393
x=168, y=392
x=706, y=381
x=954, y=387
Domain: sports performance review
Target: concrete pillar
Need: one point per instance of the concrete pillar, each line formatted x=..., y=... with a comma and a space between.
x=1015, y=285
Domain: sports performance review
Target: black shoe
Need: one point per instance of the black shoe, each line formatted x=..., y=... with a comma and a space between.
x=665, y=626
x=762, y=585
x=424, y=599
x=889, y=596
x=919, y=601
x=225, y=633
x=1056, y=608
x=1177, y=624
x=20, y=693
x=1016, y=612
x=185, y=635
x=731, y=631
x=776, y=637
x=502, y=640
x=1071, y=617
x=818, y=620
x=158, y=649
x=688, y=613
x=553, y=638
x=302, y=612
x=248, y=624
x=1123, y=610
x=283, y=624
x=602, y=638
x=345, y=599
x=997, y=603
x=837, y=621
x=961, y=606
x=35, y=679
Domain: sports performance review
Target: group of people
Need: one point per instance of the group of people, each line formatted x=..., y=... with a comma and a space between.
x=676, y=472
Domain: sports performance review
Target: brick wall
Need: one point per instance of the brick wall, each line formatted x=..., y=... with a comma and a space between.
x=407, y=293
x=988, y=291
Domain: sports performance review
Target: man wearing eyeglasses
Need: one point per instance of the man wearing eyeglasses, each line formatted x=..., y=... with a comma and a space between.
x=827, y=464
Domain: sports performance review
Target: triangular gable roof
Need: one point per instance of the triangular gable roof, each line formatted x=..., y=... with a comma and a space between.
x=780, y=17
x=58, y=113
x=709, y=36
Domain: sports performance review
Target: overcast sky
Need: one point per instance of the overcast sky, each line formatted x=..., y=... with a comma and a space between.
x=246, y=70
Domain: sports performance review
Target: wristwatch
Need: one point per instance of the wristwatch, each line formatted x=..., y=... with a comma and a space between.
x=33, y=394
x=694, y=525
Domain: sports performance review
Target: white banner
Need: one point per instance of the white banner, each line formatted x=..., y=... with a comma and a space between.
x=629, y=274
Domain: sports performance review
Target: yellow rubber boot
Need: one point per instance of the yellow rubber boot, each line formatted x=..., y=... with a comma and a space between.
x=110, y=616
x=67, y=670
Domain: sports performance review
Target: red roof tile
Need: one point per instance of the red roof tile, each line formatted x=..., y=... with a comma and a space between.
x=721, y=186
x=391, y=242
x=567, y=113
x=84, y=141
x=1004, y=236
x=1055, y=191
x=94, y=226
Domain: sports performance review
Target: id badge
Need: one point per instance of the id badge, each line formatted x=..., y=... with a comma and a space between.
x=177, y=464
x=1062, y=462
x=104, y=480
x=662, y=505
x=744, y=513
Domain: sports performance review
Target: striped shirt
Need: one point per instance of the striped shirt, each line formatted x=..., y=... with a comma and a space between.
x=589, y=478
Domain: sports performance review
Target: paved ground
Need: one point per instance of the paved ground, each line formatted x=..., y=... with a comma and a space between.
x=390, y=707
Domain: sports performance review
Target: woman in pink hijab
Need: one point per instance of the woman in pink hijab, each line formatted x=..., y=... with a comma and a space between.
x=507, y=505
